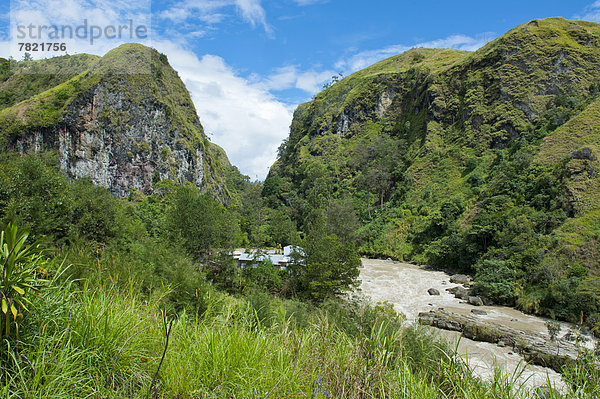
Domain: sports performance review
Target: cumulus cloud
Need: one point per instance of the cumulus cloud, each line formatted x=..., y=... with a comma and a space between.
x=590, y=12
x=39, y=19
x=241, y=116
x=4, y=47
x=365, y=58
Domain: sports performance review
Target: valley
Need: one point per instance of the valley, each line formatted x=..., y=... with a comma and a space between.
x=120, y=219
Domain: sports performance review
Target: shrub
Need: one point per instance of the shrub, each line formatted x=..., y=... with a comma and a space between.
x=22, y=269
x=495, y=280
x=265, y=275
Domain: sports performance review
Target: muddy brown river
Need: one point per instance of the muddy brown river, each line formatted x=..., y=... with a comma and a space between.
x=405, y=286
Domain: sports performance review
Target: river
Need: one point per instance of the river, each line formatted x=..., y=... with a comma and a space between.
x=405, y=286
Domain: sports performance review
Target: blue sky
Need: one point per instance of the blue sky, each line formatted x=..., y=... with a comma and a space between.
x=249, y=63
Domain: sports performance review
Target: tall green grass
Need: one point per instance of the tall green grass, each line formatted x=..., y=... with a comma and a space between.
x=106, y=342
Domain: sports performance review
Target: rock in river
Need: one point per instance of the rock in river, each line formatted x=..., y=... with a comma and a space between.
x=459, y=292
x=460, y=279
x=475, y=301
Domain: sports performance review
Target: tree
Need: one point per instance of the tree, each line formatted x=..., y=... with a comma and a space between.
x=342, y=220
x=282, y=229
x=199, y=222
x=327, y=267
x=252, y=213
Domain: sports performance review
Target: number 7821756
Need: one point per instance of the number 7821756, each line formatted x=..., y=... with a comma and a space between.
x=42, y=46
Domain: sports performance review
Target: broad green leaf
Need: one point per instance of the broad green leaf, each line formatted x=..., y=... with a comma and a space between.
x=4, y=305
x=13, y=310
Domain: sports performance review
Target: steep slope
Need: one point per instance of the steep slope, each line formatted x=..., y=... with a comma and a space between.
x=126, y=122
x=21, y=80
x=442, y=154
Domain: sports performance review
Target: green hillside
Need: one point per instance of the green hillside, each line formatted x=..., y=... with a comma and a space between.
x=24, y=79
x=483, y=162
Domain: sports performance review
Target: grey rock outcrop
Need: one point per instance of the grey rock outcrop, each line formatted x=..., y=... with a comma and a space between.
x=535, y=348
x=119, y=157
x=433, y=291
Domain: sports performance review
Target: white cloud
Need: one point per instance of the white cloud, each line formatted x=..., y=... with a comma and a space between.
x=212, y=12
x=48, y=16
x=253, y=12
x=590, y=12
x=176, y=14
x=290, y=76
x=4, y=47
x=207, y=11
x=241, y=116
x=365, y=58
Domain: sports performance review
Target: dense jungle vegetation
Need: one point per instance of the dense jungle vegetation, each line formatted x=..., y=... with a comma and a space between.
x=106, y=297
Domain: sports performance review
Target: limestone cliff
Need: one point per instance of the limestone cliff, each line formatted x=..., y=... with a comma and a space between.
x=126, y=122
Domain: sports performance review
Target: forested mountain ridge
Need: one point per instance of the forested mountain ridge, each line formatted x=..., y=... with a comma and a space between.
x=482, y=161
x=124, y=120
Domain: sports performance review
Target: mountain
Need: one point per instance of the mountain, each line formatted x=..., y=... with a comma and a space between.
x=483, y=161
x=124, y=120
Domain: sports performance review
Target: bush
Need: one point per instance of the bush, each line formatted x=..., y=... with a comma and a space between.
x=495, y=281
x=22, y=270
x=97, y=215
x=34, y=193
x=265, y=276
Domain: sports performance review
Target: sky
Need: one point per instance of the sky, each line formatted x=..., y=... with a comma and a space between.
x=249, y=63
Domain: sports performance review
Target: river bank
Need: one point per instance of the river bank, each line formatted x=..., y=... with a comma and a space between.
x=406, y=287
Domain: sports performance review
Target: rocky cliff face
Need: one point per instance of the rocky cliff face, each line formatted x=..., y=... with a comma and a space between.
x=125, y=123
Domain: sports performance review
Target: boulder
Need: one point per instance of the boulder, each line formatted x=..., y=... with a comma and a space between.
x=475, y=301
x=460, y=279
x=433, y=291
x=584, y=153
x=459, y=292
x=479, y=312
